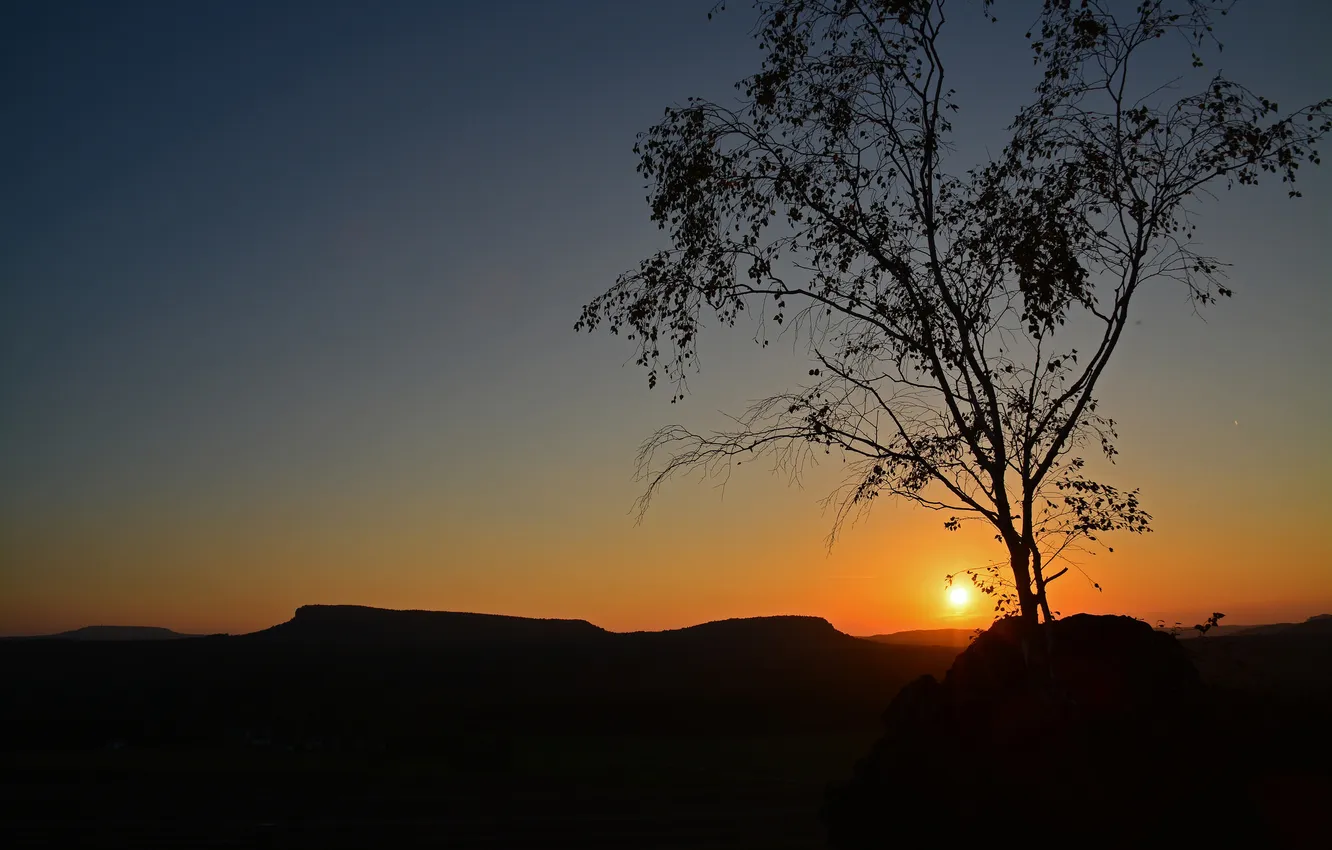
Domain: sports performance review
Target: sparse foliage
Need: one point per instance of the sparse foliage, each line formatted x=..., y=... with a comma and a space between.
x=1207, y=625
x=1174, y=631
x=937, y=305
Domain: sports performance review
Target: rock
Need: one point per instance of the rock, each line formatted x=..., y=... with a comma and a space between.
x=1075, y=726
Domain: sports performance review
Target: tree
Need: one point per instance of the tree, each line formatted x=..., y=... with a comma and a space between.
x=939, y=307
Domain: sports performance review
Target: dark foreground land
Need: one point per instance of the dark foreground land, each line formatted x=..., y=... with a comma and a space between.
x=349, y=727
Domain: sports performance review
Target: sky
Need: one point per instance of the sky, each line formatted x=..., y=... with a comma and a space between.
x=286, y=317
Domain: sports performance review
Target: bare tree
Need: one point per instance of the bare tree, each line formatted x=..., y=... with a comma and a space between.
x=937, y=305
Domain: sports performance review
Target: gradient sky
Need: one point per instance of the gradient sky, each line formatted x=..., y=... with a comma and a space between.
x=287, y=307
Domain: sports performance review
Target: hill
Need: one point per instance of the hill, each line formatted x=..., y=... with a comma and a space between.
x=958, y=638
x=961, y=638
x=1293, y=658
x=357, y=625
x=1317, y=624
x=377, y=679
x=344, y=724
x=114, y=633
x=360, y=625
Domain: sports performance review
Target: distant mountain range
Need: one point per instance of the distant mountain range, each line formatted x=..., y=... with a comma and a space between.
x=960, y=638
x=1317, y=624
x=351, y=625
x=375, y=680
x=342, y=624
x=360, y=625
x=117, y=633
x=400, y=679
x=356, y=624
x=927, y=637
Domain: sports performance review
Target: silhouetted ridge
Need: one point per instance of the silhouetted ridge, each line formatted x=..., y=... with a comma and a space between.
x=412, y=682
x=799, y=624
x=782, y=632
x=959, y=638
x=356, y=624
x=119, y=633
x=1319, y=624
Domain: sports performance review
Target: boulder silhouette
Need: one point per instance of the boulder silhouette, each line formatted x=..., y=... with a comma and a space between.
x=1091, y=722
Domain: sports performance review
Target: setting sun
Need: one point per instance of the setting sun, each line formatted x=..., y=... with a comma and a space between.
x=957, y=596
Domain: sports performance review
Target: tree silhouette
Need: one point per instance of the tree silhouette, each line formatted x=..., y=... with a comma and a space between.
x=937, y=305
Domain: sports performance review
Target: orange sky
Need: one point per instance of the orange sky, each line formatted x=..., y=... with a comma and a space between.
x=562, y=545
x=527, y=511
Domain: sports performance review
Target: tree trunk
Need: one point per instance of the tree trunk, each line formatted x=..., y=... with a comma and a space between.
x=1019, y=558
x=1038, y=576
x=1031, y=601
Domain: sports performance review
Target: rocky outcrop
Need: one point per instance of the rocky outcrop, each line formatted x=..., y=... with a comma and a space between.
x=1087, y=723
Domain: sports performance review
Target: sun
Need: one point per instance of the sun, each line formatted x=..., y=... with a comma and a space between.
x=957, y=596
